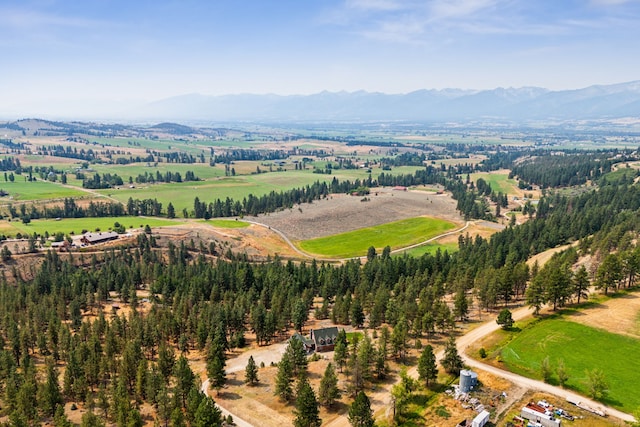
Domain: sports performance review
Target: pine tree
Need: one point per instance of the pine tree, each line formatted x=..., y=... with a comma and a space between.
x=216, y=373
x=581, y=283
x=306, y=411
x=297, y=356
x=461, y=305
x=360, y=413
x=284, y=378
x=185, y=379
x=427, y=368
x=207, y=414
x=340, y=349
x=90, y=419
x=171, y=212
x=328, y=392
x=216, y=362
x=452, y=363
x=251, y=372
x=51, y=395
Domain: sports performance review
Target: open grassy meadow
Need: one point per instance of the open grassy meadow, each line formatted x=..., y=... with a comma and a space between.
x=76, y=225
x=394, y=234
x=21, y=190
x=582, y=348
x=499, y=181
x=181, y=195
x=430, y=248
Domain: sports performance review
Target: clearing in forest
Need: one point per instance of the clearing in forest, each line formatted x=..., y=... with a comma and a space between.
x=394, y=234
x=581, y=348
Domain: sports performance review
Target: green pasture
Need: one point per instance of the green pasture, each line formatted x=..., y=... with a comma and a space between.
x=76, y=225
x=181, y=195
x=193, y=147
x=21, y=190
x=582, y=348
x=201, y=170
x=499, y=182
x=617, y=175
x=430, y=248
x=225, y=223
x=394, y=234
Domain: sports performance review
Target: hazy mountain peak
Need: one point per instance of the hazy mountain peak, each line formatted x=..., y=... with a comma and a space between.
x=509, y=103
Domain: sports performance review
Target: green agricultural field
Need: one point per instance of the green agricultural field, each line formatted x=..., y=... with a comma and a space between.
x=152, y=144
x=76, y=225
x=582, y=348
x=201, y=170
x=394, y=234
x=430, y=248
x=499, y=182
x=21, y=190
x=237, y=187
x=226, y=223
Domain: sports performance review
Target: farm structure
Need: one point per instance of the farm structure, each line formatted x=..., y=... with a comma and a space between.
x=324, y=339
x=481, y=419
x=468, y=380
x=540, y=415
x=61, y=246
x=94, y=238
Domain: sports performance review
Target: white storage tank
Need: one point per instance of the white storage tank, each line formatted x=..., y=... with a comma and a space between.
x=468, y=380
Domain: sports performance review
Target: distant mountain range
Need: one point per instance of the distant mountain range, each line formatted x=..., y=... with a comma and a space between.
x=514, y=104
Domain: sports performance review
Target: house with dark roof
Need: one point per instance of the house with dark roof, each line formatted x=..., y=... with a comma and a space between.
x=324, y=339
x=307, y=344
x=93, y=238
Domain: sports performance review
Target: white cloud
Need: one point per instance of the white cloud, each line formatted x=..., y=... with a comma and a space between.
x=28, y=19
x=374, y=5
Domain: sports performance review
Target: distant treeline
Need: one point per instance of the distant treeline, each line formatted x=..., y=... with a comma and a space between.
x=10, y=164
x=13, y=145
x=168, y=176
x=68, y=151
x=69, y=209
x=468, y=202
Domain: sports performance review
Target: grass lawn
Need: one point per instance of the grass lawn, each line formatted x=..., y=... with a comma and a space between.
x=394, y=234
x=226, y=223
x=499, y=182
x=430, y=248
x=76, y=225
x=20, y=190
x=582, y=348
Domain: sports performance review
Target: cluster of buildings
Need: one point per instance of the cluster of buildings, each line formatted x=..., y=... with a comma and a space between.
x=86, y=239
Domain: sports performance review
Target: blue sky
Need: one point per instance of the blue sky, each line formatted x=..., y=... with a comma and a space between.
x=103, y=53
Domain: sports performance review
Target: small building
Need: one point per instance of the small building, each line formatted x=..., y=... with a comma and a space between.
x=399, y=188
x=94, y=238
x=481, y=419
x=61, y=245
x=307, y=344
x=540, y=415
x=324, y=339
